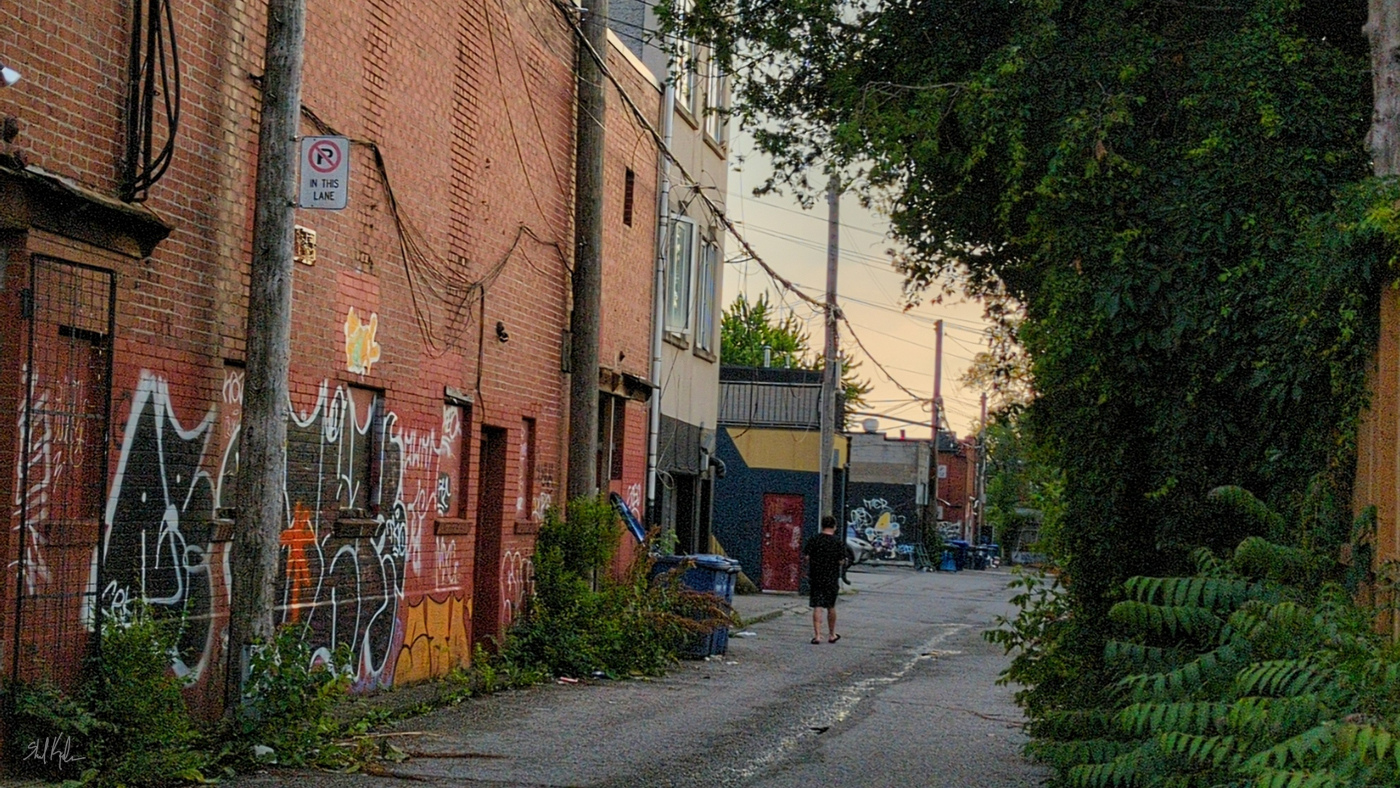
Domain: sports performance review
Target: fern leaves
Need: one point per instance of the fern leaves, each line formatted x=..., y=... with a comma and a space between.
x=1251, y=673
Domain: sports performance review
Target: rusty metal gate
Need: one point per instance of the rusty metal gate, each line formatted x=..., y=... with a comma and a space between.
x=62, y=463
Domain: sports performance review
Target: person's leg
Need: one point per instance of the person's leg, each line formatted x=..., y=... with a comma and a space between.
x=831, y=623
x=816, y=625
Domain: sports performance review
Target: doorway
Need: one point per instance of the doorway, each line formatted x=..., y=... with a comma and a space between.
x=782, y=542
x=486, y=574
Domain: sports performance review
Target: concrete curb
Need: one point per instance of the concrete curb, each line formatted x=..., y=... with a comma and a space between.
x=760, y=618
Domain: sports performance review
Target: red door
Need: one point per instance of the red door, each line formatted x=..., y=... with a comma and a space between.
x=782, y=542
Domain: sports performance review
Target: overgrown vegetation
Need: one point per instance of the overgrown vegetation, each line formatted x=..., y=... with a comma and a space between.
x=287, y=701
x=1260, y=669
x=582, y=621
x=1170, y=206
x=128, y=724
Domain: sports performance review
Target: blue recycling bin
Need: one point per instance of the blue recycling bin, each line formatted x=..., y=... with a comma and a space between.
x=707, y=574
x=961, y=549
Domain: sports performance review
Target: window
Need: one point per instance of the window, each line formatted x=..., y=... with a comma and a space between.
x=525, y=508
x=629, y=189
x=715, y=116
x=454, y=469
x=619, y=436
x=705, y=297
x=679, y=264
x=612, y=433
x=366, y=414
x=683, y=73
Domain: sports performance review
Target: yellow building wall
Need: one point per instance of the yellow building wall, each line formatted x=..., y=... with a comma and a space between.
x=787, y=450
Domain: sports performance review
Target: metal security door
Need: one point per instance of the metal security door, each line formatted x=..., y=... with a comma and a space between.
x=782, y=542
x=62, y=463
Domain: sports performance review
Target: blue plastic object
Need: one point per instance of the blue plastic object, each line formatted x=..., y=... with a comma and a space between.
x=960, y=548
x=629, y=518
x=706, y=573
x=949, y=563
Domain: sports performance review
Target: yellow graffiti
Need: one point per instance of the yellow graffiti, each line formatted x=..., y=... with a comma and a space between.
x=361, y=349
x=435, y=639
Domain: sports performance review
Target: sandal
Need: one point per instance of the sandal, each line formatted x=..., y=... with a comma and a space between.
x=834, y=638
x=816, y=641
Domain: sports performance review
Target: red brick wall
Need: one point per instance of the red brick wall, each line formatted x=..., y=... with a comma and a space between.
x=956, y=488
x=629, y=263
x=471, y=107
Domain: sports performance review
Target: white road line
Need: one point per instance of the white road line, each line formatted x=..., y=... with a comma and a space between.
x=838, y=710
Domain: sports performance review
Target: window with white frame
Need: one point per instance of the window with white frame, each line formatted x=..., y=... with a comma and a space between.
x=683, y=71
x=715, y=116
x=705, y=297
x=679, y=265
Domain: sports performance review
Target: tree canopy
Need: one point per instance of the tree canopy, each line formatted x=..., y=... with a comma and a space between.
x=749, y=328
x=1176, y=194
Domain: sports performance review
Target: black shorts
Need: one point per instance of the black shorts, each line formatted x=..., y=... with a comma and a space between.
x=823, y=594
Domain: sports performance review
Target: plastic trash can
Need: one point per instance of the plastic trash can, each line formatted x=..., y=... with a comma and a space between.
x=707, y=574
x=961, y=549
x=948, y=563
x=980, y=558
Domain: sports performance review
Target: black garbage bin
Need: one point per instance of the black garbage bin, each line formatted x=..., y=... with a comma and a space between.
x=979, y=557
x=709, y=574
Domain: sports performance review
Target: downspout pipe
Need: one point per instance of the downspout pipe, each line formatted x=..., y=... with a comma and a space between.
x=658, y=312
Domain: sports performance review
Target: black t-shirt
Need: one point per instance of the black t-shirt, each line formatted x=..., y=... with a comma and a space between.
x=826, y=552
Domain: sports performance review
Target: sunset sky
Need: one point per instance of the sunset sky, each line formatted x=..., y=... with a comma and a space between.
x=793, y=242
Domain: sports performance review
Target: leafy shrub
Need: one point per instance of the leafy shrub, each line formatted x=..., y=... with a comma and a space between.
x=149, y=737
x=126, y=725
x=581, y=621
x=1258, y=670
x=43, y=722
x=285, y=717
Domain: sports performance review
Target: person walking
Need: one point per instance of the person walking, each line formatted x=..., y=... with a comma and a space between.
x=825, y=555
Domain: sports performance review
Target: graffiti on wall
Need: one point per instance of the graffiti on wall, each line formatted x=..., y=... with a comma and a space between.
x=435, y=638
x=878, y=522
x=345, y=462
x=158, y=524
x=361, y=348
x=42, y=461
x=517, y=581
x=360, y=491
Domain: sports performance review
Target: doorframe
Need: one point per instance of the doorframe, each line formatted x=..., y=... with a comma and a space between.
x=487, y=556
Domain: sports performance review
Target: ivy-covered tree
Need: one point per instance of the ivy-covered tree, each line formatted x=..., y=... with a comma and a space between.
x=1177, y=195
x=751, y=330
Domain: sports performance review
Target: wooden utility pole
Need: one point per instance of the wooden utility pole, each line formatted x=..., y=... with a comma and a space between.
x=937, y=415
x=980, y=487
x=588, y=256
x=831, y=372
x=263, y=434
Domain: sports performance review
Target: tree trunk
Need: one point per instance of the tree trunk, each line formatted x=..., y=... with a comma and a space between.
x=1378, y=461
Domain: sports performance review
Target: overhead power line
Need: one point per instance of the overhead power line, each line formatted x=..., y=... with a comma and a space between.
x=715, y=209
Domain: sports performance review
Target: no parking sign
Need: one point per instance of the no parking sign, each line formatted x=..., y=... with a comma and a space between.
x=325, y=173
